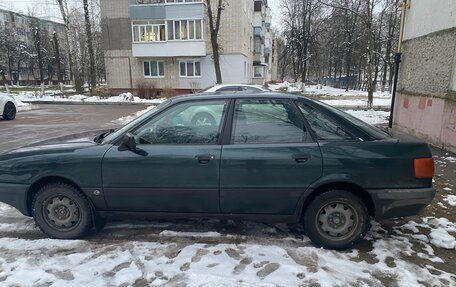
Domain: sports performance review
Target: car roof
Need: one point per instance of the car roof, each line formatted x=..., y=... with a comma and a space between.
x=237, y=85
x=217, y=96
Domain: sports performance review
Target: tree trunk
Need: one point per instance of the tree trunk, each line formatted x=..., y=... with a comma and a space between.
x=74, y=65
x=369, y=53
x=93, y=75
x=57, y=58
x=37, y=43
x=214, y=26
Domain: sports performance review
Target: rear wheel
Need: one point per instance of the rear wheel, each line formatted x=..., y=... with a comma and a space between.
x=9, y=111
x=336, y=220
x=62, y=211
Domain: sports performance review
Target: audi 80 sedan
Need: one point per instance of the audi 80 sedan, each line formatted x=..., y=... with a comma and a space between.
x=266, y=157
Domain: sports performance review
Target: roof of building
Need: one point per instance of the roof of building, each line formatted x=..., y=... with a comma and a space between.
x=3, y=8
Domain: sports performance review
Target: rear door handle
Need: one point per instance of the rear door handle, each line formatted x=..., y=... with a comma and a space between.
x=300, y=158
x=205, y=158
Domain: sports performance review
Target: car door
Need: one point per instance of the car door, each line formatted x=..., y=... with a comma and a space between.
x=175, y=167
x=270, y=161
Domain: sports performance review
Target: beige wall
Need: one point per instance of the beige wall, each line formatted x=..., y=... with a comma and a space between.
x=125, y=71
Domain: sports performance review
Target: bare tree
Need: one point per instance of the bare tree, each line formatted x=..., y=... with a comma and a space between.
x=88, y=27
x=214, y=27
x=72, y=58
x=37, y=43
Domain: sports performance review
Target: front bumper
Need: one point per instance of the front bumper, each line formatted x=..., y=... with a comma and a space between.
x=15, y=195
x=391, y=203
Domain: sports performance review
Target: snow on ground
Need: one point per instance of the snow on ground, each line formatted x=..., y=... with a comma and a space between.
x=125, y=120
x=122, y=98
x=21, y=106
x=451, y=199
x=321, y=90
x=205, y=253
x=372, y=117
x=378, y=102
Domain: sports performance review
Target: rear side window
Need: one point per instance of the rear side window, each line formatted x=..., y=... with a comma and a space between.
x=324, y=127
x=268, y=122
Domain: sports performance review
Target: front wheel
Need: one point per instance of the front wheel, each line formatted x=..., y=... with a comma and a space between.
x=336, y=220
x=62, y=211
x=9, y=111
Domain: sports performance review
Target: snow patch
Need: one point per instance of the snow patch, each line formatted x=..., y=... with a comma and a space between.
x=372, y=117
x=451, y=199
x=125, y=120
x=122, y=98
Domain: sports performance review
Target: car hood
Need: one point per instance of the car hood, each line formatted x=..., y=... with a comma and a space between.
x=73, y=141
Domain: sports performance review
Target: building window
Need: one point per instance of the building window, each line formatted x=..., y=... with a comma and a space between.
x=185, y=30
x=258, y=72
x=165, y=1
x=154, y=69
x=149, y=31
x=257, y=6
x=190, y=69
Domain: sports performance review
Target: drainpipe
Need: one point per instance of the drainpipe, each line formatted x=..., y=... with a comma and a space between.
x=397, y=58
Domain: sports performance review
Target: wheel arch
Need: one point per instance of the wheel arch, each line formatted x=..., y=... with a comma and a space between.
x=340, y=185
x=40, y=183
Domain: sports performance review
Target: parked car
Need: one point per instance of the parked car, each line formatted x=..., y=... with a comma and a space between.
x=236, y=88
x=267, y=157
x=8, y=107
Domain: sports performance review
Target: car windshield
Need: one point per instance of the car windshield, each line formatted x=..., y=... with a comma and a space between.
x=372, y=131
x=133, y=123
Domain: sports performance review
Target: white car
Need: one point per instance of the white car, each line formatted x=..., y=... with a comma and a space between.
x=234, y=88
x=8, y=107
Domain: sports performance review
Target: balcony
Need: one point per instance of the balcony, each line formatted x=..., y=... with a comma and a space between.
x=170, y=49
x=161, y=9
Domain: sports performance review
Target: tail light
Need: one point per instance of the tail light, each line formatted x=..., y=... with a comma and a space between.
x=424, y=168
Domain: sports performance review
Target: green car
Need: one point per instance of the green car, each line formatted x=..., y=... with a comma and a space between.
x=266, y=157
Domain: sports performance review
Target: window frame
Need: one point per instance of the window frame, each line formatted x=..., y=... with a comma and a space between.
x=145, y=27
x=150, y=69
x=186, y=62
x=230, y=130
x=347, y=129
x=221, y=130
x=177, y=24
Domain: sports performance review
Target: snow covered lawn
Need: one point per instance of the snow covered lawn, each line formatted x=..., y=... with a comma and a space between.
x=122, y=98
x=320, y=90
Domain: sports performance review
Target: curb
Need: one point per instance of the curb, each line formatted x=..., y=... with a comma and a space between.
x=88, y=103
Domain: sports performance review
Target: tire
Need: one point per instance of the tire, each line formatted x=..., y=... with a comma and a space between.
x=9, y=111
x=336, y=220
x=203, y=119
x=61, y=211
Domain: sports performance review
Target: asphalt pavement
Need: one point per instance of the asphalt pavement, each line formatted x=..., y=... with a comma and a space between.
x=50, y=121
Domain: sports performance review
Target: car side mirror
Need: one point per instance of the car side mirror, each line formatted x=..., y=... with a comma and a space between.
x=128, y=143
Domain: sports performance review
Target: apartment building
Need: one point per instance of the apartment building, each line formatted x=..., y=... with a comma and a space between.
x=17, y=57
x=165, y=44
x=425, y=105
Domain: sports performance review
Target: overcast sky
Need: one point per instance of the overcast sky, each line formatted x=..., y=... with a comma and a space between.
x=49, y=8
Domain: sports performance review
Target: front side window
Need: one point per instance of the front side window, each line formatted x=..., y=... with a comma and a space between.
x=324, y=127
x=268, y=122
x=186, y=123
x=154, y=69
x=190, y=69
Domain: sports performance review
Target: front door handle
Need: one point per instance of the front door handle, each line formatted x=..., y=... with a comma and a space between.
x=300, y=158
x=205, y=158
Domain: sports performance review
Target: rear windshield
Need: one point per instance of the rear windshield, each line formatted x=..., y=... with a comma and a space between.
x=372, y=131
